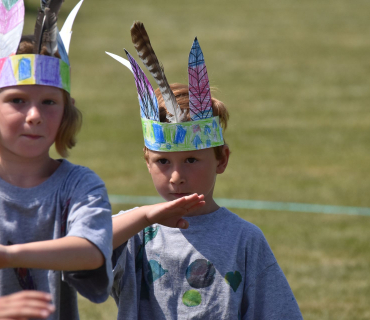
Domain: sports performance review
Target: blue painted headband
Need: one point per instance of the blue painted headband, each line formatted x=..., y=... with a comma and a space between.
x=30, y=69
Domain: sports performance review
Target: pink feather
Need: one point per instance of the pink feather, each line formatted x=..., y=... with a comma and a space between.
x=11, y=26
x=199, y=91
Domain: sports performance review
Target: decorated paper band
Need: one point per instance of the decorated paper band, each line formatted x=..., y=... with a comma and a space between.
x=31, y=69
x=184, y=136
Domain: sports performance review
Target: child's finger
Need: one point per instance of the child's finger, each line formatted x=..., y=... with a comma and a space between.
x=26, y=312
x=182, y=224
x=190, y=200
x=31, y=294
x=196, y=206
x=195, y=200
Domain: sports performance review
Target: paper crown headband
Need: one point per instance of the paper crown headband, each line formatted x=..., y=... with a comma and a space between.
x=203, y=131
x=28, y=69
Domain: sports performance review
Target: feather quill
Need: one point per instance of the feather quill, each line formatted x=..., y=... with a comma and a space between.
x=44, y=4
x=11, y=26
x=39, y=27
x=55, y=5
x=199, y=92
x=49, y=37
x=46, y=31
x=146, y=53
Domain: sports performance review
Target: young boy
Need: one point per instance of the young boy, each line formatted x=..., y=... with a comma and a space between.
x=221, y=267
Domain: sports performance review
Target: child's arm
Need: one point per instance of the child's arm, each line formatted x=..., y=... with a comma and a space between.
x=74, y=253
x=26, y=304
x=169, y=214
x=67, y=254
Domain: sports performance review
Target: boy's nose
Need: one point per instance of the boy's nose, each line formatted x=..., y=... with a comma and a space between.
x=177, y=177
x=34, y=115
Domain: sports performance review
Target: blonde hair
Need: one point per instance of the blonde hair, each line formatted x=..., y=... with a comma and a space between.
x=181, y=93
x=72, y=117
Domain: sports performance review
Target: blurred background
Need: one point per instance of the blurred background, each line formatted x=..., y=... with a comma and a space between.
x=295, y=76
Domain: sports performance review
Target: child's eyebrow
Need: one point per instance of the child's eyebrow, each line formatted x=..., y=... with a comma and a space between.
x=158, y=156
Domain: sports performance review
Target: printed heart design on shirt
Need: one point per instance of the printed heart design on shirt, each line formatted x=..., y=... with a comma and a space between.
x=233, y=279
x=155, y=271
x=150, y=233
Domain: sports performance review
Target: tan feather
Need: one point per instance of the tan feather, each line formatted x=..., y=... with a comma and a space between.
x=146, y=53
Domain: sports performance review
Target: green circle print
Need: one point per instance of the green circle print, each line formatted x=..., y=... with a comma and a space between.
x=192, y=298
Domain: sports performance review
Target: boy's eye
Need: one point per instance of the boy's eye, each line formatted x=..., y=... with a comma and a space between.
x=163, y=161
x=17, y=100
x=191, y=160
x=48, y=102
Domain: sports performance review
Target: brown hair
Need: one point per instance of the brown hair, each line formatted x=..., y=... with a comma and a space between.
x=72, y=117
x=181, y=93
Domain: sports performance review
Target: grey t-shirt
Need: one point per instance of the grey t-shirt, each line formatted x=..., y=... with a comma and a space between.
x=72, y=202
x=221, y=267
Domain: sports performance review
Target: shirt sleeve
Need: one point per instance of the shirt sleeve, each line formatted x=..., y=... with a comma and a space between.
x=89, y=217
x=120, y=262
x=267, y=294
x=271, y=297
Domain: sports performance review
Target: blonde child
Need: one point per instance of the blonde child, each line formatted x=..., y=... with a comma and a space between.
x=221, y=267
x=55, y=218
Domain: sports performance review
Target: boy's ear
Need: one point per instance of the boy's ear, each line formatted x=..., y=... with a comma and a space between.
x=222, y=163
x=147, y=164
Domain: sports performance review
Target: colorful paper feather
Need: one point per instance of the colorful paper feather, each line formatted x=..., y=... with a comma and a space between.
x=11, y=26
x=66, y=32
x=199, y=92
x=147, y=99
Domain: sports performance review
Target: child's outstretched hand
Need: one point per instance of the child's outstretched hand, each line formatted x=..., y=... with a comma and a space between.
x=170, y=213
x=167, y=213
x=26, y=304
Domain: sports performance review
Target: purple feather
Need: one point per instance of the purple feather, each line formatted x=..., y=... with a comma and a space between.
x=147, y=99
x=199, y=92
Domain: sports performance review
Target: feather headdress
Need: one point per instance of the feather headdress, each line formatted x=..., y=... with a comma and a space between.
x=203, y=131
x=52, y=68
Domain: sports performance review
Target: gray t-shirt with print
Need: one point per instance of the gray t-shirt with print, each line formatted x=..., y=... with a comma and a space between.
x=221, y=267
x=72, y=202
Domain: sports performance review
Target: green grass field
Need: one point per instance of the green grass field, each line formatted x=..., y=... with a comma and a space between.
x=295, y=76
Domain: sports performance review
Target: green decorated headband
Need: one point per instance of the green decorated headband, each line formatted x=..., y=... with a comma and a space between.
x=203, y=131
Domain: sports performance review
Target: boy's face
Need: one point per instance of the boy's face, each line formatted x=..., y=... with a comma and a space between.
x=30, y=116
x=178, y=174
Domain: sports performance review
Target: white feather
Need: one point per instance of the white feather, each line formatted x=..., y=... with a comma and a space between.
x=125, y=62
x=66, y=32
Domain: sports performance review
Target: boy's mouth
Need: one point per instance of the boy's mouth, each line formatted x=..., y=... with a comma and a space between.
x=32, y=136
x=180, y=195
